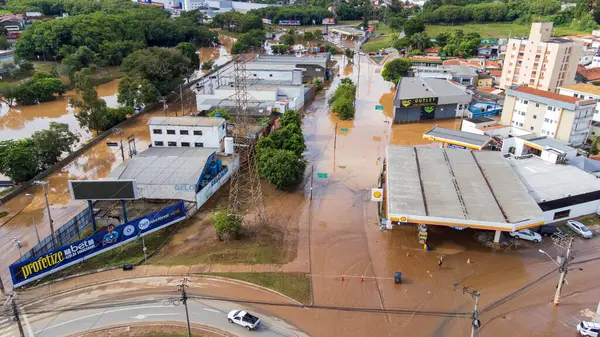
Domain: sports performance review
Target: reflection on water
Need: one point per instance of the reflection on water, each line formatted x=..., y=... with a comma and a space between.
x=19, y=122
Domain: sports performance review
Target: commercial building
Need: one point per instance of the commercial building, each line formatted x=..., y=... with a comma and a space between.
x=429, y=98
x=455, y=139
x=464, y=75
x=456, y=188
x=312, y=67
x=548, y=149
x=584, y=91
x=548, y=114
x=542, y=62
x=208, y=132
x=561, y=191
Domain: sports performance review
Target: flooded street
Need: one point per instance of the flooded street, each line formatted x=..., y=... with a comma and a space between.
x=219, y=54
x=339, y=234
x=19, y=122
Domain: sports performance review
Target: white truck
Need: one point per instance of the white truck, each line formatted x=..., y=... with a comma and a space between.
x=244, y=319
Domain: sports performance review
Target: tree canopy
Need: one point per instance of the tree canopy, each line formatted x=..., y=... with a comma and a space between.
x=41, y=88
x=342, y=100
x=23, y=159
x=396, y=69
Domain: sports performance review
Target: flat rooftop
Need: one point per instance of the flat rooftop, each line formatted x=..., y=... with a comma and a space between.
x=158, y=169
x=463, y=188
x=478, y=120
x=548, y=143
x=416, y=87
x=468, y=139
x=270, y=66
x=546, y=181
x=186, y=121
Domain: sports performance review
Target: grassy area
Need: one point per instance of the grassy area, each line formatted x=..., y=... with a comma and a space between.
x=494, y=29
x=43, y=66
x=375, y=44
x=294, y=285
x=248, y=252
x=382, y=28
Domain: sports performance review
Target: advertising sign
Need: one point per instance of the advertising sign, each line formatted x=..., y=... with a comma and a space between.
x=376, y=194
x=328, y=21
x=289, y=22
x=267, y=21
x=428, y=112
x=452, y=146
x=123, y=189
x=408, y=103
x=78, y=251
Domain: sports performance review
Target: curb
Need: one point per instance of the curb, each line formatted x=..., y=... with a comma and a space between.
x=201, y=327
x=44, y=297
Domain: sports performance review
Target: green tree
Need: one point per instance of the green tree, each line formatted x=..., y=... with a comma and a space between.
x=208, y=65
x=413, y=26
x=308, y=36
x=280, y=49
x=26, y=67
x=18, y=159
x=226, y=226
x=290, y=117
x=189, y=51
x=251, y=40
x=51, y=143
x=9, y=92
x=281, y=168
x=395, y=69
x=4, y=43
x=251, y=22
x=344, y=108
x=41, y=88
x=594, y=146
x=287, y=39
x=349, y=54
x=221, y=112
x=319, y=85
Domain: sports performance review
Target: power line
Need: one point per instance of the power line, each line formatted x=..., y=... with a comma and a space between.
x=476, y=323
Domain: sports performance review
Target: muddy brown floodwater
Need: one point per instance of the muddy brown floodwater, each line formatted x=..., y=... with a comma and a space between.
x=22, y=121
x=219, y=54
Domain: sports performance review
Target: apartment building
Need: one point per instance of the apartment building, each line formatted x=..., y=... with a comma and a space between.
x=549, y=114
x=542, y=62
x=584, y=90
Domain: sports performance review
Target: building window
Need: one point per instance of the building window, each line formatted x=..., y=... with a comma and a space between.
x=534, y=117
x=157, y=143
x=172, y=143
x=183, y=132
x=197, y=133
x=198, y=144
x=562, y=214
x=157, y=131
x=575, y=95
x=185, y=144
x=531, y=128
x=223, y=126
x=520, y=124
x=546, y=120
x=270, y=75
x=170, y=132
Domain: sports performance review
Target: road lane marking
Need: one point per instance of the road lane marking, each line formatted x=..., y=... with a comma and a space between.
x=213, y=310
x=26, y=321
x=97, y=314
x=142, y=316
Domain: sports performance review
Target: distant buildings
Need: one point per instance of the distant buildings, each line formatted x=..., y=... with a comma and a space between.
x=589, y=75
x=548, y=114
x=582, y=90
x=541, y=62
x=429, y=98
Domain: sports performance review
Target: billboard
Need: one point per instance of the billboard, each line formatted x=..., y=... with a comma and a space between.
x=428, y=112
x=78, y=251
x=103, y=189
x=267, y=21
x=289, y=22
x=328, y=21
x=415, y=102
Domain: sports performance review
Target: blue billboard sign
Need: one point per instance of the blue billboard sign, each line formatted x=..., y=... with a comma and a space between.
x=452, y=146
x=78, y=251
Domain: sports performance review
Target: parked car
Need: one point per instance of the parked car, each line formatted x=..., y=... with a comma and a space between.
x=588, y=329
x=548, y=230
x=579, y=228
x=526, y=234
x=244, y=319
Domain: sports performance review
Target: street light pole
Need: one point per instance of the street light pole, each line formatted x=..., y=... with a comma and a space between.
x=44, y=183
x=475, y=324
x=184, y=298
x=565, y=245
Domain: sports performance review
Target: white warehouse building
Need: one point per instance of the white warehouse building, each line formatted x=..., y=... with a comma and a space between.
x=188, y=131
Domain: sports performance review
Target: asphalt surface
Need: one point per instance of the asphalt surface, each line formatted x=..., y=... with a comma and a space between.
x=208, y=313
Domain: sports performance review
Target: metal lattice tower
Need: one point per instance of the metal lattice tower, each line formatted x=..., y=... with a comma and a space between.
x=245, y=192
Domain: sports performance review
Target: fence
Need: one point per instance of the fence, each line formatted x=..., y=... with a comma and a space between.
x=64, y=235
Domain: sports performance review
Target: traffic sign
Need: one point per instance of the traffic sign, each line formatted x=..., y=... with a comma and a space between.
x=344, y=129
x=379, y=107
x=322, y=175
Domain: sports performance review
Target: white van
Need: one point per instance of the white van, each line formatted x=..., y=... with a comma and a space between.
x=588, y=329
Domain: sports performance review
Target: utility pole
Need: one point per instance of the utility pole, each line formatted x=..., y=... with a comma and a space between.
x=475, y=324
x=13, y=301
x=44, y=183
x=335, y=137
x=121, y=143
x=564, y=245
x=312, y=174
x=36, y=230
x=184, y=297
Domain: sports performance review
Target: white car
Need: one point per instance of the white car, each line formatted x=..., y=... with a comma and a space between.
x=526, y=234
x=244, y=319
x=588, y=329
x=579, y=228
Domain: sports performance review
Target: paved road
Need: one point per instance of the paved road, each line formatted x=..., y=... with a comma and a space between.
x=208, y=313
